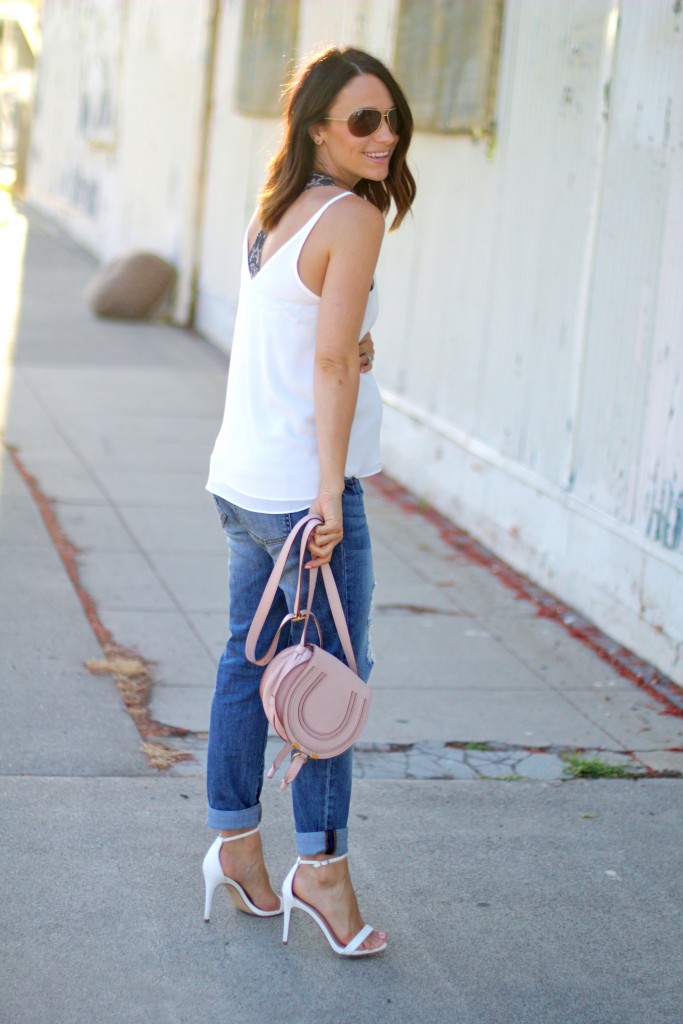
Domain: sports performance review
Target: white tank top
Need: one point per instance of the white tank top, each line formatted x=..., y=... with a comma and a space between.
x=265, y=458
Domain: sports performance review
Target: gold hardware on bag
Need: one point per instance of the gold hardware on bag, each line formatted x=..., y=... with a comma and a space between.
x=298, y=751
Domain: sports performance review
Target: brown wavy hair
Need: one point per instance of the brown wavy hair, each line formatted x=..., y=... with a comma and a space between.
x=310, y=97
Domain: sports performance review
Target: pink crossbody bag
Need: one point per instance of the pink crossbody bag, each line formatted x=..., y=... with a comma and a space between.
x=315, y=703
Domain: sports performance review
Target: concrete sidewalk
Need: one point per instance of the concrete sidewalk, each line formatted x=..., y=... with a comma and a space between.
x=555, y=904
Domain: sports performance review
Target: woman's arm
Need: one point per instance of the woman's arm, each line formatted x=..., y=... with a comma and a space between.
x=356, y=233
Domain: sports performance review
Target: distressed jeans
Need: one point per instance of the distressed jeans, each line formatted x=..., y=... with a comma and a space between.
x=238, y=730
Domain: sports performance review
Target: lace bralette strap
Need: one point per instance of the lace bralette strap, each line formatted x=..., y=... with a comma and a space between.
x=318, y=179
x=255, y=253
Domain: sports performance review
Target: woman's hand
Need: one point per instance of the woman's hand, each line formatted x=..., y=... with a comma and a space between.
x=325, y=537
x=367, y=353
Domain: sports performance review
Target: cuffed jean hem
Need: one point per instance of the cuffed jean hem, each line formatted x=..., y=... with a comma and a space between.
x=333, y=842
x=249, y=817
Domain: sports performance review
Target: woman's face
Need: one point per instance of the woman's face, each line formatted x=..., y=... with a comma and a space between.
x=342, y=155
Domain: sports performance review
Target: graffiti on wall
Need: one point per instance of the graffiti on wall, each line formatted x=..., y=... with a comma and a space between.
x=665, y=518
x=100, y=28
x=85, y=193
x=97, y=100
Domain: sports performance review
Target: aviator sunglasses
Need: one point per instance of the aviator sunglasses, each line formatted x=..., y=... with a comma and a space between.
x=366, y=121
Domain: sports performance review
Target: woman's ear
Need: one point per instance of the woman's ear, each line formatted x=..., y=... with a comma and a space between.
x=315, y=133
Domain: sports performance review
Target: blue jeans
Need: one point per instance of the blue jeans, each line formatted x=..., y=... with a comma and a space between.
x=238, y=731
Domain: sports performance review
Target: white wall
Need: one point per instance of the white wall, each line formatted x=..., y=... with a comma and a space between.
x=239, y=150
x=530, y=345
x=117, y=128
x=75, y=120
x=544, y=409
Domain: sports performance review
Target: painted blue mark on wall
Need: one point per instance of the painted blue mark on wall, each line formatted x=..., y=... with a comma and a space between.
x=85, y=194
x=665, y=520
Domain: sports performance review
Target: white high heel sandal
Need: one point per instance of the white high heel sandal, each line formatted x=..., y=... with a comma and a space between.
x=291, y=901
x=213, y=877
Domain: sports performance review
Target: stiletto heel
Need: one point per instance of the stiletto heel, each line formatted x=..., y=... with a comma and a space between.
x=213, y=877
x=210, y=887
x=290, y=901
x=288, y=914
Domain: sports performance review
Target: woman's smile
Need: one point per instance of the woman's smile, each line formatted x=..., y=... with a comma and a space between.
x=380, y=156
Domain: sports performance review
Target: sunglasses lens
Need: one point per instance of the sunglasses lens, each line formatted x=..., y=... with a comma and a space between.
x=367, y=120
x=364, y=122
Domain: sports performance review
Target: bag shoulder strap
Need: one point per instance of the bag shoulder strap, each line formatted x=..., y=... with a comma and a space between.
x=307, y=524
x=337, y=614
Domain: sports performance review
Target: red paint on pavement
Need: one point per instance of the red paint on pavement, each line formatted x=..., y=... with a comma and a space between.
x=134, y=687
x=624, y=662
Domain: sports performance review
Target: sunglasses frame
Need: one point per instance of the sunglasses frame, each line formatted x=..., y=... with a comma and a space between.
x=383, y=116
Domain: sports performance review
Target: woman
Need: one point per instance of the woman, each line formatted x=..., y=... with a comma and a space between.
x=301, y=427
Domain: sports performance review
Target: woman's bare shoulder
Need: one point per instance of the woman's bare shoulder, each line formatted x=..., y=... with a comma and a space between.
x=353, y=215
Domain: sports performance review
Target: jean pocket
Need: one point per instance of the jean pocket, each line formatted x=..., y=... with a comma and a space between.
x=266, y=527
x=222, y=508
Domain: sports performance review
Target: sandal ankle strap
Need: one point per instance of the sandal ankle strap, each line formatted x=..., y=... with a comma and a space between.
x=322, y=863
x=241, y=835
